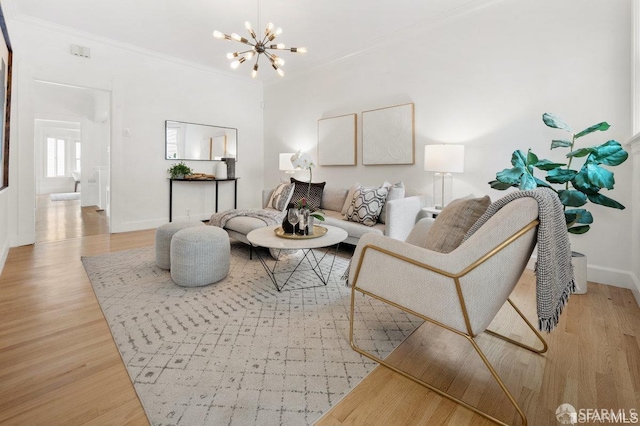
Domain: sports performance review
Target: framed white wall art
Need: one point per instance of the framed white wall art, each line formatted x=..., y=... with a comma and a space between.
x=388, y=136
x=337, y=141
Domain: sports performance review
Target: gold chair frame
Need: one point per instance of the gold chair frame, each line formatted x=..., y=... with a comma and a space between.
x=469, y=335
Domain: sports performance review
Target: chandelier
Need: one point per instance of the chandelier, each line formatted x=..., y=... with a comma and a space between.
x=257, y=47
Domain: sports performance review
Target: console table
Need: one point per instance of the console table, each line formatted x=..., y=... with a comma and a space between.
x=216, y=181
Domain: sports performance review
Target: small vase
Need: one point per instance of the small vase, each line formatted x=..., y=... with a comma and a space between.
x=304, y=221
x=310, y=225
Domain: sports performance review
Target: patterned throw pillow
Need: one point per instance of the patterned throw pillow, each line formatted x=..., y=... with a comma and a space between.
x=315, y=194
x=453, y=222
x=366, y=205
x=281, y=196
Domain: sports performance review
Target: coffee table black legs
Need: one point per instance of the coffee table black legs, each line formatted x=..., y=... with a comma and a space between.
x=311, y=258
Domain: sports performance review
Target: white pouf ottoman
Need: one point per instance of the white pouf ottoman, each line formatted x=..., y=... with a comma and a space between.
x=164, y=233
x=199, y=256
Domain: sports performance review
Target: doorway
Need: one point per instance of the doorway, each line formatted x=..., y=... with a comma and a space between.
x=72, y=143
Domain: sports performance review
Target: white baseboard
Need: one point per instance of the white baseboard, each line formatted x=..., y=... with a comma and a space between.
x=608, y=276
x=136, y=226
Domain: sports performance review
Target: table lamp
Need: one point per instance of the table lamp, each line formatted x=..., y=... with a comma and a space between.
x=444, y=160
x=285, y=163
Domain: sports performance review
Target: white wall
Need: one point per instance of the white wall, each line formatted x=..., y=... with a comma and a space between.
x=482, y=81
x=146, y=90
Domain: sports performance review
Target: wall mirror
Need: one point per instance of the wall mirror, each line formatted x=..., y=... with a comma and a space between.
x=190, y=141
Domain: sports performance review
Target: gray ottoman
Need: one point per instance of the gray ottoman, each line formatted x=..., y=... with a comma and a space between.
x=199, y=256
x=164, y=233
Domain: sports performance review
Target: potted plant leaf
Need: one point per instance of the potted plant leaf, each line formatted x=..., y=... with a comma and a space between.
x=179, y=170
x=579, y=185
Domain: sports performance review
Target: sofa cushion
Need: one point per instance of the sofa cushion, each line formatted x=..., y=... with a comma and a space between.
x=451, y=225
x=333, y=199
x=395, y=193
x=281, y=196
x=315, y=193
x=366, y=205
x=355, y=230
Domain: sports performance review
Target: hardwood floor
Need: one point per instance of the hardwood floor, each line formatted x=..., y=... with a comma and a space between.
x=61, y=220
x=60, y=366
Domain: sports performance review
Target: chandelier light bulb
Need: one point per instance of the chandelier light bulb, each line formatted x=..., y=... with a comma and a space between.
x=279, y=61
x=302, y=50
x=218, y=34
x=254, y=73
x=236, y=37
x=249, y=55
x=280, y=72
x=278, y=31
x=231, y=55
x=235, y=64
x=249, y=28
x=269, y=29
x=280, y=46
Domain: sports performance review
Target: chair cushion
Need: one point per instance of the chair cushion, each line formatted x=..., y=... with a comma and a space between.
x=315, y=193
x=281, y=196
x=366, y=205
x=451, y=225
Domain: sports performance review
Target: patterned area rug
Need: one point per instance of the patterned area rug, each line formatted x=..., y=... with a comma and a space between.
x=238, y=352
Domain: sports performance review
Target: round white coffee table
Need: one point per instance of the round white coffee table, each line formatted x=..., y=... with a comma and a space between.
x=266, y=237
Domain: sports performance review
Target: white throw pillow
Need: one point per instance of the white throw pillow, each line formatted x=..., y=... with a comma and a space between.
x=395, y=193
x=349, y=199
x=281, y=196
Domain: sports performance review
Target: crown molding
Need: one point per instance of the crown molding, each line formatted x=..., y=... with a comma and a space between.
x=440, y=20
x=61, y=29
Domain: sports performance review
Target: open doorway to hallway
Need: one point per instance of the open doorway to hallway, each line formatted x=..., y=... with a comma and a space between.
x=72, y=143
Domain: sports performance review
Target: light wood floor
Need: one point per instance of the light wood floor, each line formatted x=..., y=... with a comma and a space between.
x=60, y=366
x=61, y=220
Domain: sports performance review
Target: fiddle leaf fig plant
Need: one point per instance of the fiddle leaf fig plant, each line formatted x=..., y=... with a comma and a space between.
x=581, y=185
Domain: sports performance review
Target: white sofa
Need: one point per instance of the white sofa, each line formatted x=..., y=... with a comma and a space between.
x=401, y=216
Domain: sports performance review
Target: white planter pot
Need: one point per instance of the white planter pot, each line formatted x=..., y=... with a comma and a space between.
x=579, y=262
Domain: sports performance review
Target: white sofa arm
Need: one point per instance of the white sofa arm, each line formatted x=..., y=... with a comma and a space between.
x=402, y=215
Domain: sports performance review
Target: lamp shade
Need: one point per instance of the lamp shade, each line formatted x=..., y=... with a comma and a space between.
x=444, y=158
x=285, y=162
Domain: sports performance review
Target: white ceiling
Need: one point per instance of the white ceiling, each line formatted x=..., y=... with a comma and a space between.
x=329, y=29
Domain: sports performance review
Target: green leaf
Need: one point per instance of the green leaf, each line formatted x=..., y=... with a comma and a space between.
x=583, y=184
x=542, y=183
x=560, y=143
x=570, y=219
x=599, y=176
x=610, y=153
x=578, y=229
x=556, y=122
x=531, y=158
x=572, y=198
x=580, y=152
x=511, y=176
x=500, y=186
x=580, y=216
x=560, y=175
x=547, y=165
x=605, y=201
x=527, y=182
x=518, y=159
x=600, y=126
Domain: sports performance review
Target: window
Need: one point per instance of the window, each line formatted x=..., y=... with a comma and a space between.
x=172, y=142
x=78, y=156
x=55, y=157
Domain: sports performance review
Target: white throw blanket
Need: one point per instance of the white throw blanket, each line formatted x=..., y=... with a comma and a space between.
x=554, y=272
x=268, y=216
